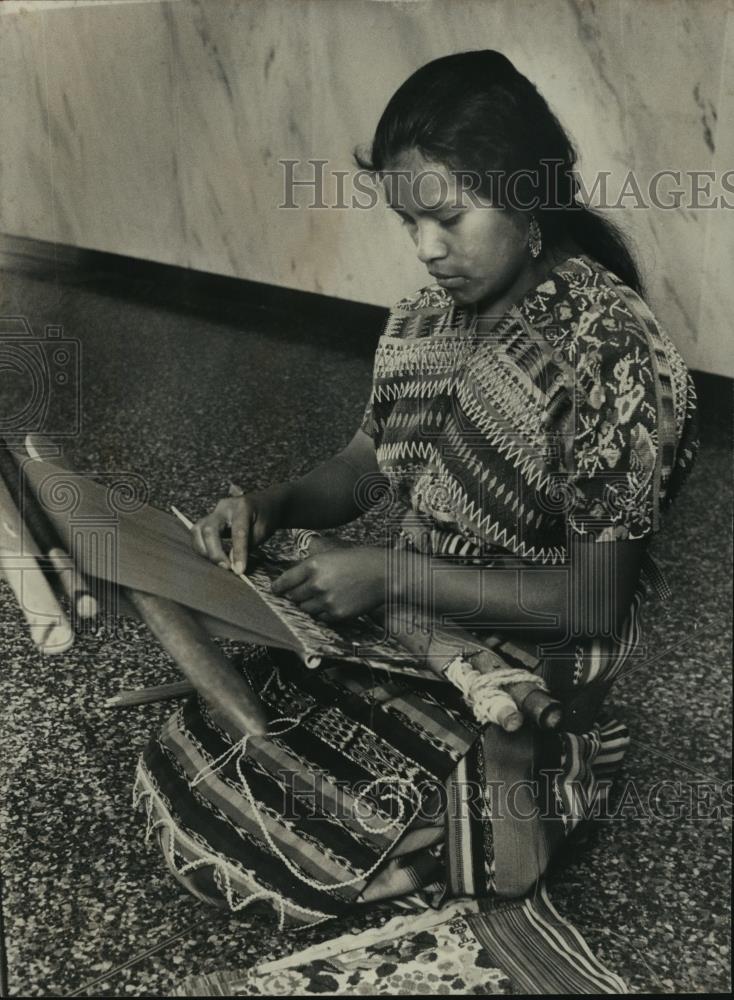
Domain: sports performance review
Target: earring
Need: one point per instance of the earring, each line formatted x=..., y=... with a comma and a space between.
x=535, y=239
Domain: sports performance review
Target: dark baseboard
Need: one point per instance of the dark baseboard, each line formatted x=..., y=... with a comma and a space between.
x=340, y=323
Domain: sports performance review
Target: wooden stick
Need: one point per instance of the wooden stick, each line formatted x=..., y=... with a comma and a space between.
x=148, y=695
x=185, y=521
x=56, y=558
x=49, y=627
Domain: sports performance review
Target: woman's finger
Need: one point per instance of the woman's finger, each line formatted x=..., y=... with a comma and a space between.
x=293, y=577
x=197, y=540
x=305, y=592
x=206, y=538
x=315, y=607
x=239, y=547
x=211, y=535
x=240, y=523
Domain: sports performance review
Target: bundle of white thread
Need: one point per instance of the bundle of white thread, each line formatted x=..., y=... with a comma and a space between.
x=486, y=694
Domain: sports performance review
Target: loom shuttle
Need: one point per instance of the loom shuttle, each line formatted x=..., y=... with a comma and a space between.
x=202, y=663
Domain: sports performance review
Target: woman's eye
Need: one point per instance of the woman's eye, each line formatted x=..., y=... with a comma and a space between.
x=451, y=221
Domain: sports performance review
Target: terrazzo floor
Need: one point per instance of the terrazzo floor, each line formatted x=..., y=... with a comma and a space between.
x=189, y=405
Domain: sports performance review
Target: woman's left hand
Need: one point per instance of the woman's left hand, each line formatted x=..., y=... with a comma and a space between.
x=338, y=584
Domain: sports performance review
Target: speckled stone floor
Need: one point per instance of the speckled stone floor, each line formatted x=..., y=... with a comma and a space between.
x=189, y=405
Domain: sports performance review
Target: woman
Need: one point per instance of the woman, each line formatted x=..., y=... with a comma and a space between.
x=529, y=420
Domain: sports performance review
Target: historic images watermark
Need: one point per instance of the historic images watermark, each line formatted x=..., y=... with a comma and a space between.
x=391, y=801
x=317, y=184
x=41, y=376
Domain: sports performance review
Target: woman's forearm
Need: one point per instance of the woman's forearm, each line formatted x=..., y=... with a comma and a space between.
x=586, y=597
x=324, y=498
x=328, y=495
x=474, y=597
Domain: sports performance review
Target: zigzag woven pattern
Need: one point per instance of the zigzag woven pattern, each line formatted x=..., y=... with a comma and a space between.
x=567, y=415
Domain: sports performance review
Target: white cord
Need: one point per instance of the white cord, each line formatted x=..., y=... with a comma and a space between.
x=238, y=751
x=485, y=693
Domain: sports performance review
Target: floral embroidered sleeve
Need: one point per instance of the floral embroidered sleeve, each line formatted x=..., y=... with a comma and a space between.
x=611, y=459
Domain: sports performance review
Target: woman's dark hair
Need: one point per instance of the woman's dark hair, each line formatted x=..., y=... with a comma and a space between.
x=476, y=114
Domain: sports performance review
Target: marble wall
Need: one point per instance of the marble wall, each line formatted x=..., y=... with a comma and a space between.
x=155, y=129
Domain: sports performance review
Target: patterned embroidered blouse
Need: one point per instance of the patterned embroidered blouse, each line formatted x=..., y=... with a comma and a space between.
x=574, y=413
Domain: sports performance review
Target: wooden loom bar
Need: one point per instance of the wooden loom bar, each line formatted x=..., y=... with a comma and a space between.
x=49, y=627
x=56, y=559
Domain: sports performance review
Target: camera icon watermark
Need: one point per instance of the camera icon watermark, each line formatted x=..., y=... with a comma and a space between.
x=41, y=380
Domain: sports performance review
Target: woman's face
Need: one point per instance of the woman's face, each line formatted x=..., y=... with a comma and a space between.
x=475, y=251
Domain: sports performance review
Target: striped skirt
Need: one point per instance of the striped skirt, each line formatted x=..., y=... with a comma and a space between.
x=368, y=786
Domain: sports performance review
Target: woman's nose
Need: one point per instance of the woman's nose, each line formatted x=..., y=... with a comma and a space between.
x=430, y=244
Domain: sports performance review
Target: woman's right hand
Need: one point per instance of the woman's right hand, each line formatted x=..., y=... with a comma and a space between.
x=251, y=519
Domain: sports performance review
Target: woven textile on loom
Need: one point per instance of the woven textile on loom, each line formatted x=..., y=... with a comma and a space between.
x=120, y=540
